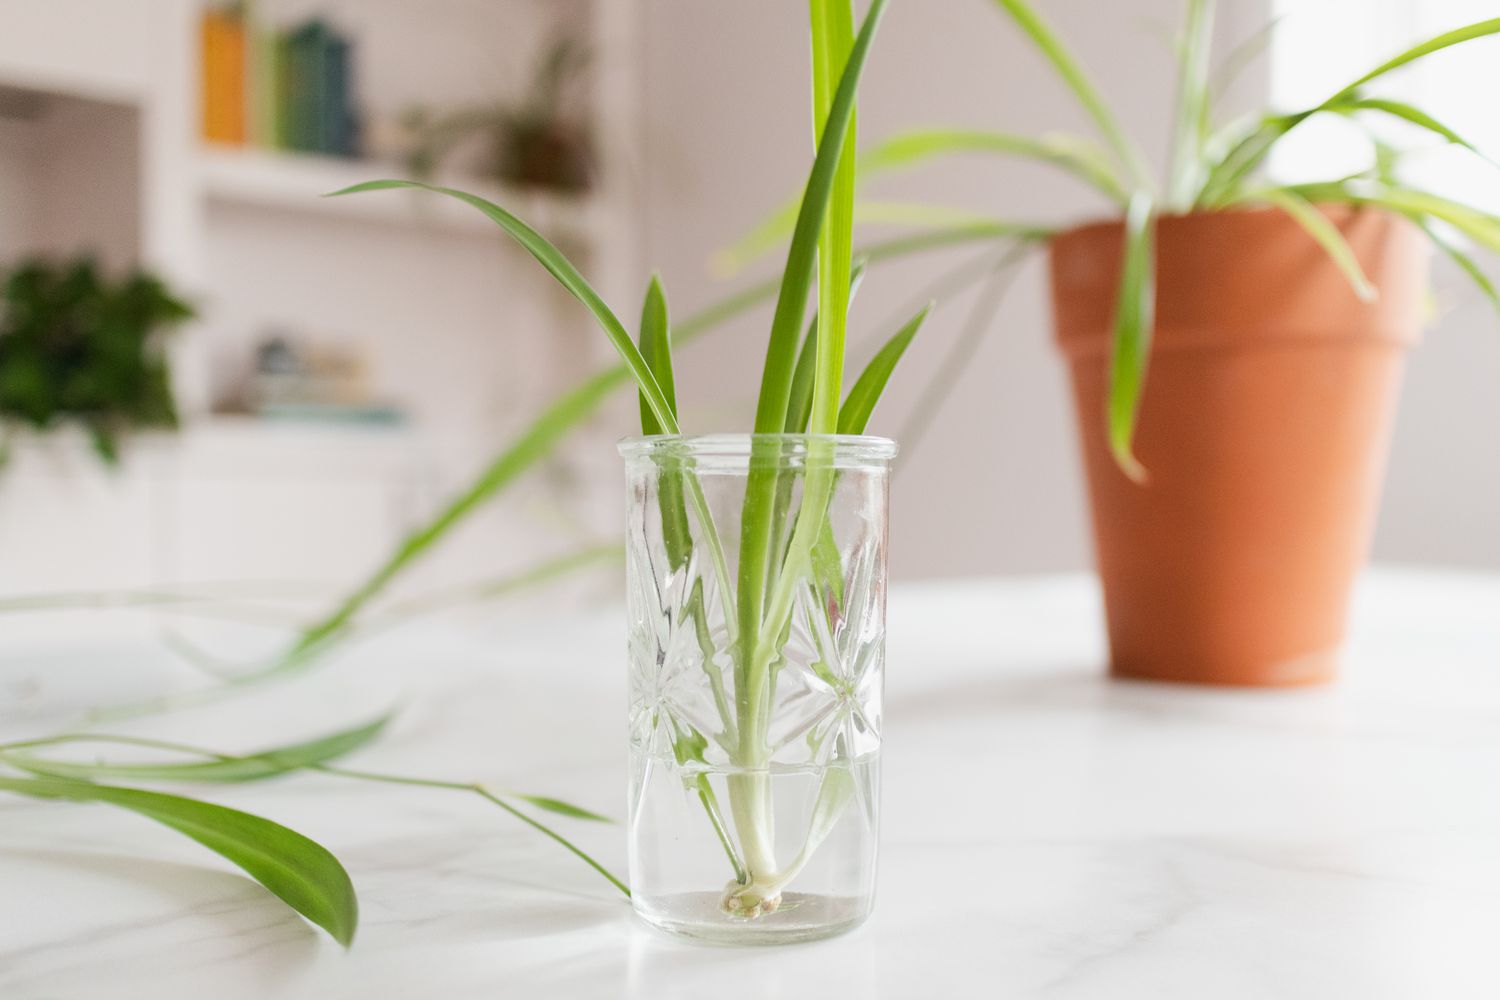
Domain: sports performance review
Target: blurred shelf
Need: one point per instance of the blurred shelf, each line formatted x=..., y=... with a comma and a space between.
x=297, y=183
x=246, y=447
x=228, y=446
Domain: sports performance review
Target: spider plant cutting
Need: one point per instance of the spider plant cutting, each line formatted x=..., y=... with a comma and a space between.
x=756, y=569
x=1233, y=499
x=301, y=872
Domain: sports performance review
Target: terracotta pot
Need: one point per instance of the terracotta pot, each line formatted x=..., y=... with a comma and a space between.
x=1264, y=429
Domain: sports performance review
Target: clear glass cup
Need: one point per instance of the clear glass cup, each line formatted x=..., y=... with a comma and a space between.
x=756, y=573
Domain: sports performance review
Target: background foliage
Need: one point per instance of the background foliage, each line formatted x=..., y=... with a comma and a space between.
x=78, y=347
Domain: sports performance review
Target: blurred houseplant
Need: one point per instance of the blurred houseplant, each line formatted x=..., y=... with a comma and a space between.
x=539, y=143
x=1234, y=500
x=79, y=348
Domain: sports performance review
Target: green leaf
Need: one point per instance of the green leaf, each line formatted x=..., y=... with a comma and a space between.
x=1223, y=180
x=688, y=745
x=484, y=590
x=1479, y=226
x=1438, y=42
x=917, y=214
x=756, y=530
x=656, y=349
x=901, y=246
x=251, y=767
x=535, y=443
x=1406, y=112
x=547, y=831
x=828, y=566
x=773, y=231
x=299, y=871
x=1243, y=157
x=561, y=808
x=1072, y=74
x=799, y=403
x=832, y=38
x=1189, y=126
x=1322, y=229
x=558, y=265
x=834, y=793
x=1134, y=316
x=1080, y=157
x=799, y=406
x=854, y=415
x=791, y=303
x=1243, y=55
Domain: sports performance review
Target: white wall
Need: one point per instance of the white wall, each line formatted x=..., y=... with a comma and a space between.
x=998, y=487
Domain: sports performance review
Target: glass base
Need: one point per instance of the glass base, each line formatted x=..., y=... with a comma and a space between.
x=800, y=917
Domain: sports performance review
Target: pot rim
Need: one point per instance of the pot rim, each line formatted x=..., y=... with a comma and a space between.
x=1198, y=216
x=1190, y=318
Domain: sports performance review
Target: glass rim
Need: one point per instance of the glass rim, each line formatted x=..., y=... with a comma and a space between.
x=846, y=447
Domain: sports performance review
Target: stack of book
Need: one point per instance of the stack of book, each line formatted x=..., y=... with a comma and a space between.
x=278, y=89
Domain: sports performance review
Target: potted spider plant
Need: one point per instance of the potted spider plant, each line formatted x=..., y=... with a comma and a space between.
x=756, y=567
x=1234, y=498
x=1235, y=494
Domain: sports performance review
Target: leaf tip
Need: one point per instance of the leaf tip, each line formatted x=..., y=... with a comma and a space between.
x=379, y=185
x=1131, y=466
x=1122, y=448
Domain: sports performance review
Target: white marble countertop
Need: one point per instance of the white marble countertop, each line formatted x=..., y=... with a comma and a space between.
x=1047, y=833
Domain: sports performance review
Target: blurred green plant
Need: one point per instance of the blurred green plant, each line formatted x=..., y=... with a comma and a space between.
x=1215, y=165
x=79, y=348
x=535, y=143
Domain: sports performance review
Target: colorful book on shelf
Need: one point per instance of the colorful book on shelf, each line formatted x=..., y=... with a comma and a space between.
x=266, y=97
x=318, y=98
x=281, y=90
x=341, y=129
x=367, y=414
x=274, y=89
x=302, y=74
x=223, y=76
x=261, y=102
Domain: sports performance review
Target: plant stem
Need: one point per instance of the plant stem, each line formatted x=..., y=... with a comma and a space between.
x=716, y=819
x=488, y=796
x=135, y=741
